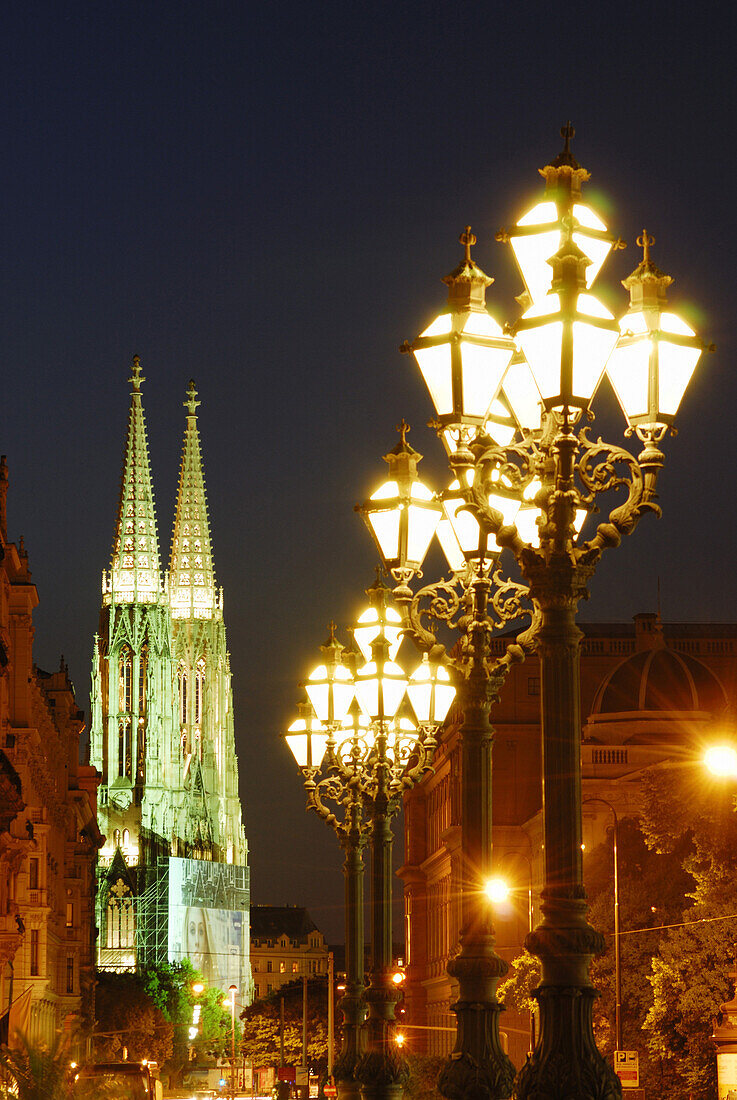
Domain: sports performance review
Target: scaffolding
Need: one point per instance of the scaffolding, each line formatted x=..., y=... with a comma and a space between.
x=152, y=925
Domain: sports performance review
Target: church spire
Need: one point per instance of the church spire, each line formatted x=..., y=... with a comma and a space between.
x=191, y=573
x=134, y=570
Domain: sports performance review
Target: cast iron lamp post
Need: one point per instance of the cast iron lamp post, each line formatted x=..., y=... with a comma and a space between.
x=361, y=765
x=554, y=475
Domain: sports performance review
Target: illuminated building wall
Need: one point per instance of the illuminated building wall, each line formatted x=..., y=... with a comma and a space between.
x=649, y=691
x=162, y=711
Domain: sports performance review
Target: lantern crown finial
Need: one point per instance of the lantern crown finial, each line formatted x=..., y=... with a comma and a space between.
x=467, y=283
x=136, y=377
x=564, y=174
x=647, y=284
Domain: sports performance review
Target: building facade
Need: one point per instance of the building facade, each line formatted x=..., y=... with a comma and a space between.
x=286, y=945
x=174, y=879
x=49, y=835
x=651, y=691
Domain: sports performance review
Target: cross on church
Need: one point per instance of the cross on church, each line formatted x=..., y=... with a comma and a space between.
x=191, y=403
x=136, y=377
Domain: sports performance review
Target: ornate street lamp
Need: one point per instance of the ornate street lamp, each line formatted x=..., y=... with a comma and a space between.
x=556, y=476
x=357, y=759
x=473, y=603
x=575, y=473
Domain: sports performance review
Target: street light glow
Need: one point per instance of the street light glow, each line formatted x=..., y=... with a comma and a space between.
x=721, y=760
x=497, y=890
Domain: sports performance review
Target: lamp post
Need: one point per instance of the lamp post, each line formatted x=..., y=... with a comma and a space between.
x=617, y=958
x=530, y=494
x=230, y=1003
x=366, y=757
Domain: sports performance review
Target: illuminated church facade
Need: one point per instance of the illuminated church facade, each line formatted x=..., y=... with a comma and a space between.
x=173, y=873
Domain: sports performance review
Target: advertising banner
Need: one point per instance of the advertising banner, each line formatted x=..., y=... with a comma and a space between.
x=208, y=920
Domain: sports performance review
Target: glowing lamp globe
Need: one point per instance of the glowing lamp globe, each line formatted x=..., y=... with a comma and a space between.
x=568, y=336
x=330, y=685
x=402, y=514
x=538, y=234
x=378, y=617
x=307, y=739
x=464, y=353
x=656, y=353
x=430, y=692
x=380, y=684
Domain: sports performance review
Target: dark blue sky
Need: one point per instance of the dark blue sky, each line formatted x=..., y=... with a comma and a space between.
x=264, y=197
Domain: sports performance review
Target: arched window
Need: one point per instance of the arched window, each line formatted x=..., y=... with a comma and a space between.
x=125, y=681
x=199, y=690
x=116, y=838
x=183, y=684
x=142, y=674
x=126, y=838
x=124, y=746
x=121, y=923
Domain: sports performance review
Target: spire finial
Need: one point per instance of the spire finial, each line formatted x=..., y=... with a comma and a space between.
x=468, y=240
x=191, y=403
x=566, y=159
x=136, y=377
x=403, y=430
x=645, y=242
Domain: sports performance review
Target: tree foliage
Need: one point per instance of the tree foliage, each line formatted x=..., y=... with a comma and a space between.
x=690, y=969
x=261, y=1027
x=128, y=1017
x=35, y=1072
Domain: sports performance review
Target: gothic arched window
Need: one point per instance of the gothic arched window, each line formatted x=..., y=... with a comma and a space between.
x=183, y=685
x=142, y=674
x=125, y=681
x=121, y=921
x=199, y=690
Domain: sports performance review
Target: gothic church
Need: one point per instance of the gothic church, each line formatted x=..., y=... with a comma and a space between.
x=174, y=879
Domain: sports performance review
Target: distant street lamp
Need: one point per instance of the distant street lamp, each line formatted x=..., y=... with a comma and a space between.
x=230, y=1002
x=530, y=493
x=357, y=760
x=617, y=960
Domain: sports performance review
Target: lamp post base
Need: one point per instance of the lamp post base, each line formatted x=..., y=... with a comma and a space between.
x=478, y=1068
x=566, y=1064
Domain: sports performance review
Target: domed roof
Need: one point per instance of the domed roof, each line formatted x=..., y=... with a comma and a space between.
x=659, y=680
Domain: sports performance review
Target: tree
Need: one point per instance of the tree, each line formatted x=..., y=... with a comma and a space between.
x=32, y=1072
x=261, y=1027
x=652, y=892
x=169, y=985
x=127, y=1016
x=690, y=970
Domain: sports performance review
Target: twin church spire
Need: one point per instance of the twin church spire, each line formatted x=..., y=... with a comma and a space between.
x=135, y=572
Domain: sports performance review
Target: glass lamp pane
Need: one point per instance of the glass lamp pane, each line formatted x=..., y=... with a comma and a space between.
x=532, y=254
x=421, y=526
x=628, y=373
x=435, y=365
x=430, y=692
x=385, y=526
x=330, y=691
x=482, y=370
x=671, y=322
x=596, y=250
x=369, y=627
x=386, y=687
x=676, y=364
x=465, y=527
x=542, y=349
x=497, y=424
x=450, y=545
x=592, y=347
x=308, y=743
x=441, y=326
x=521, y=392
x=401, y=738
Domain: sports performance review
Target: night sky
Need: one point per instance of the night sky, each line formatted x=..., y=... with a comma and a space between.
x=264, y=197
